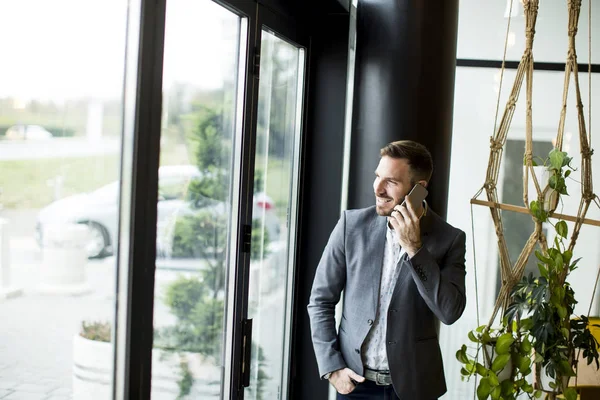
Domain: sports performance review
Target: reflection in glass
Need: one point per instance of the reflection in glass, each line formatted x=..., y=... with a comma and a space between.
x=61, y=103
x=199, y=131
x=278, y=131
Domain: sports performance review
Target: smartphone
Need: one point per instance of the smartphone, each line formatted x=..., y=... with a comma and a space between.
x=416, y=195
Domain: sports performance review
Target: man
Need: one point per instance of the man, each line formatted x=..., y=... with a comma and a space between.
x=402, y=269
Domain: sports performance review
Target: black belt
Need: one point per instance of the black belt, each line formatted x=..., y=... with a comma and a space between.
x=382, y=378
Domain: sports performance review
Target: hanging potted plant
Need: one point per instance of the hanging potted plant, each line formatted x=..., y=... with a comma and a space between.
x=539, y=324
x=549, y=300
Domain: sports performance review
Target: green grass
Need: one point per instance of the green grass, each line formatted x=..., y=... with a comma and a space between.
x=25, y=183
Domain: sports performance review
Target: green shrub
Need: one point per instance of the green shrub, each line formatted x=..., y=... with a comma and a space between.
x=96, y=330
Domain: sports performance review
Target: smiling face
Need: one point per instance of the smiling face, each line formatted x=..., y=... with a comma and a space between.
x=392, y=183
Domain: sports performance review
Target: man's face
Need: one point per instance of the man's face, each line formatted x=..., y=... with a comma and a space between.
x=392, y=183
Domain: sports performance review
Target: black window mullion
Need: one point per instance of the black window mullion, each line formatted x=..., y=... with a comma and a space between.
x=241, y=270
x=139, y=188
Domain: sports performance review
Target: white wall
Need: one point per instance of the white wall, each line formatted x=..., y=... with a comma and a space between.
x=482, y=29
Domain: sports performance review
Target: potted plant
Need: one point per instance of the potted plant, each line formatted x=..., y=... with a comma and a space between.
x=93, y=363
x=540, y=315
x=549, y=299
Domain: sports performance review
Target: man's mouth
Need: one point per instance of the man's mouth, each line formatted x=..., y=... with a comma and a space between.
x=383, y=201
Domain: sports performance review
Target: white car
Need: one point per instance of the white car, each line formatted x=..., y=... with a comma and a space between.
x=27, y=132
x=99, y=210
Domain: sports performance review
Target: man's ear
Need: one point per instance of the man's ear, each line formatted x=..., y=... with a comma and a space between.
x=424, y=183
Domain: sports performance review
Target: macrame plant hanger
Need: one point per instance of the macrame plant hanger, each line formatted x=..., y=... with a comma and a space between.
x=511, y=273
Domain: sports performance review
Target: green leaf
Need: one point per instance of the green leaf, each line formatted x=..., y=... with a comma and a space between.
x=493, y=379
x=558, y=260
x=524, y=363
x=473, y=338
x=534, y=206
x=461, y=355
x=541, y=257
x=570, y=394
x=562, y=311
x=562, y=229
x=525, y=346
x=567, y=255
x=567, y=173
x=538, y=394
x=557, y=158
x=553, y=182
x=562, y=186
x=481, y=370
x=507, y=387
x=565, y=368
x=504, y=342
x=496, y=393
x=500, y=362
x=484, y=389
x=464, y=372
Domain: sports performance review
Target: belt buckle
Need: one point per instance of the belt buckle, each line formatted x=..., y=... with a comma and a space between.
x=380, y=379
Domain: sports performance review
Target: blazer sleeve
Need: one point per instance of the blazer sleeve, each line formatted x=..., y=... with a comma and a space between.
x=329, y=281
x=442, y=286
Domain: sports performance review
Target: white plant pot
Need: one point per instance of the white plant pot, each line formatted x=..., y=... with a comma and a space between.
x=92, y=373
x=543, y=175
x=64, y=259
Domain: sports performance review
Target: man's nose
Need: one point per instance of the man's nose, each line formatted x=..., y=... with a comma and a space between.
x=379, y=189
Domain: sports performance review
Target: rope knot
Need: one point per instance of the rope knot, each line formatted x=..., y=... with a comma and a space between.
x=495, y=145
x=587, y=152
x=490, y=185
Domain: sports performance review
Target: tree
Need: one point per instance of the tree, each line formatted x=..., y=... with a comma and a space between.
x=197, y=301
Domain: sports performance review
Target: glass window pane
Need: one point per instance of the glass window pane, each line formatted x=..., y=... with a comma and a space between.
x=61, y=84
x=482, y=30
x=278, y=130
x=200, y=130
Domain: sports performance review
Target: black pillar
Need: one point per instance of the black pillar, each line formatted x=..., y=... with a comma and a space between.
x=404, y=88
x=321, y=185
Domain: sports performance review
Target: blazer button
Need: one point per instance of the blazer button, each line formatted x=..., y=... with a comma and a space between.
x=370, y=322
x=391, y=342
x=357, y=351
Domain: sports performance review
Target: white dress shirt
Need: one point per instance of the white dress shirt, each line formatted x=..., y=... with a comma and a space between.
x=374, y=352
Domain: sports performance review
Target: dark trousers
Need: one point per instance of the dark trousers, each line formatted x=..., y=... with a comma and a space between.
x=369, y=390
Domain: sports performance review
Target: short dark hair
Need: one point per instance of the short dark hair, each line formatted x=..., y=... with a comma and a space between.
x=418, y=157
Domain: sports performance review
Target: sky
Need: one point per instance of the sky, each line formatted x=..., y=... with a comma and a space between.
x=62, y=49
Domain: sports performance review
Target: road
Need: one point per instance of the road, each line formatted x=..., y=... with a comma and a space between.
x=57, y=148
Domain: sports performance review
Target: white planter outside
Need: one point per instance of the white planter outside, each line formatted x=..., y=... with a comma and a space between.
x=92, y=373
x=63, y=269
x=543, y=175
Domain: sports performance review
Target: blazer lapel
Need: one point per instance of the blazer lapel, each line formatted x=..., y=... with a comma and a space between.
x=375, y=250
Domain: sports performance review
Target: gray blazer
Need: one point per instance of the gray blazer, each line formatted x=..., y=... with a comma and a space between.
x=430, y=287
